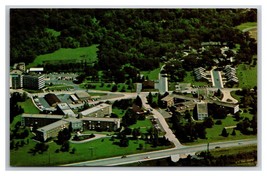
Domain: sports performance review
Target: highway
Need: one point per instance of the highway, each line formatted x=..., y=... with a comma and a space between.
x=116, y=161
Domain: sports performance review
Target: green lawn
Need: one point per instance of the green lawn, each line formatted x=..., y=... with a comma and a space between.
x=53, y=32
x=85, y=151
x=152, y=75
x=189, y=78
x=29, y=107
x=68, y=55
x=214, y=133
x=143, y=124
x=119, y=112
x=247, y=76
x=246, y=25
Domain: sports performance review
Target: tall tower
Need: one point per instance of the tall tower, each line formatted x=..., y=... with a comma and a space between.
x=163, y=83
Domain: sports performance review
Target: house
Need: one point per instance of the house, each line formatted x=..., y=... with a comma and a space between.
x=52, y=99
x=101, y=110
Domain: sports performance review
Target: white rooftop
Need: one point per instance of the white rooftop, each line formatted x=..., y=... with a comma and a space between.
x=94, y=109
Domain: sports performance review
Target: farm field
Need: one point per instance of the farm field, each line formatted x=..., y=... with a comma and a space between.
x=68, y=55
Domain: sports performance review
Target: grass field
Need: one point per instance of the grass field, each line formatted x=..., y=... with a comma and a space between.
x=28, y=107
x=214, y=133
x=189, y=78
x=85, y=151
x=143, y=124
x=246, y=25
x=68, y=55
x=152, y=75
x=233, y=150
x=247, y=76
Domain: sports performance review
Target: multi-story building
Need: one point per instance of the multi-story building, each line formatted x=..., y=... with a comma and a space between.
x=15, y=81
x=33, y=81
x=52, y=129
x=202, y=110
x=101, y=110
x=105, y=124
x=50, y=125
x=39, y=120
x=65, y=109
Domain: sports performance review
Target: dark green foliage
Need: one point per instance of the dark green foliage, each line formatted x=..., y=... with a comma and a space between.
x=150, y=98
x=224, y=132
x=63, y=136
x=208, y=122
x=138, y=36
x=138, y=101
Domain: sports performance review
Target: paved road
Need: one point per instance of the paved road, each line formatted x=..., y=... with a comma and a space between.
x=169, y=134
x=162, y=153
x=227, y=95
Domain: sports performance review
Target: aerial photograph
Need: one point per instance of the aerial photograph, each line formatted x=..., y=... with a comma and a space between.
x=133, y=87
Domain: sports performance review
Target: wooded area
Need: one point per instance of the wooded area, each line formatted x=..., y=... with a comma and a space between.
x=137, y=36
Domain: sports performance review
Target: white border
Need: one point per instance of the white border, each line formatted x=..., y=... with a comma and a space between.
x=128, y=4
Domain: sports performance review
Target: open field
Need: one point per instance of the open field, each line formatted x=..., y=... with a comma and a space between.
x=68, y=55
x=247, y=76
x=143, y=124
x=214, y=133
x=246, y=25
x=28, y=107
x=152, y=75
x=85, y=151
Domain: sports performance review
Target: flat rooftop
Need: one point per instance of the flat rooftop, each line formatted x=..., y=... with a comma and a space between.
x=94, y=109
x=101, y=119
x=202, y=108
x=60, y=123
x=48, y=116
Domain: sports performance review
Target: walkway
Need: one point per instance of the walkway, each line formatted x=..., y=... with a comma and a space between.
x=217, y=79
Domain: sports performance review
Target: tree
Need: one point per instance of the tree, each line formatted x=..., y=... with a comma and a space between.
x=63, y=136
x=150, y=98
x=208, y=122
x=65, y=147
x=138, y=101
x=141, y=146
x=224, y=133
x=136, y=133
x=114, y=88
x=233, y=133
